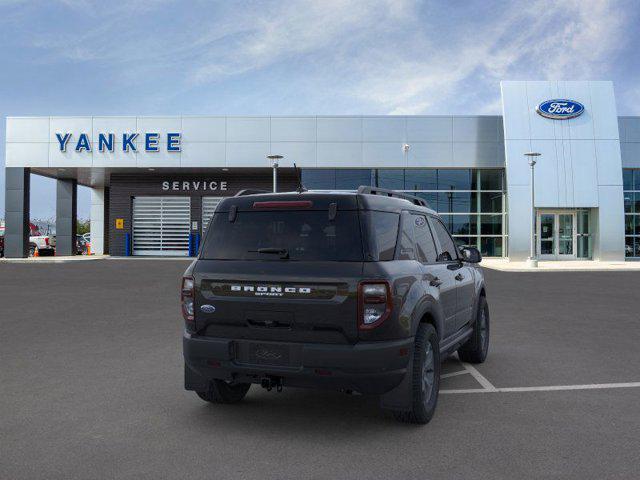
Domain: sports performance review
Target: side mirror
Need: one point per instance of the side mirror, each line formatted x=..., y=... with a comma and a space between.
x=471, y=255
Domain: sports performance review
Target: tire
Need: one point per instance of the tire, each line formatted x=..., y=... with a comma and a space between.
x=32, y=249
x=475, y=350
x=425, y=383
x=222, y=392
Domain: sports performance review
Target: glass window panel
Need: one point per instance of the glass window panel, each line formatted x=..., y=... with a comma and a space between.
x=628, y=202
x=490, y=224
x=637, y=223
x=636, y=203
x=491, y=179
x=430, y=197
x=636, y=179
x=421, y=179
x=454, y=179
x=583, y=221
x=315, y=179
x=491, y=246
x=391, y=178
x=352, y=178
x=466, y=241
x=629, y=224
x=584, y=246
x=627, y=178
x=491, y=202
x=474, y=179
x=629, y=250
x=461, y=224
x=457, y=202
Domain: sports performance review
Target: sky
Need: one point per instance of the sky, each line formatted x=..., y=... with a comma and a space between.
x=147, y=57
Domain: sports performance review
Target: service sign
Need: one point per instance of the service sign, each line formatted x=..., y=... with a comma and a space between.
x=149, y=141
x=560, y=109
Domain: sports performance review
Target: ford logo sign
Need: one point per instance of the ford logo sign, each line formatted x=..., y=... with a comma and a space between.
x=560, y=109
x=206, y=308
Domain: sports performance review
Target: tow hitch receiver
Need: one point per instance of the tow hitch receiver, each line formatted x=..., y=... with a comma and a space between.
x=270, y=382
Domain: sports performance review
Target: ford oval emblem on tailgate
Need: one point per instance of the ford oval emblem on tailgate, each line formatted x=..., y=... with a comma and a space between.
x=206, y=308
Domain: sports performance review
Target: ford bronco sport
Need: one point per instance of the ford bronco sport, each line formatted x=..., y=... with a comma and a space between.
x=356, y=291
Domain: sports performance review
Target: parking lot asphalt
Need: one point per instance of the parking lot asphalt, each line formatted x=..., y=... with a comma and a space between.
x=91, y=387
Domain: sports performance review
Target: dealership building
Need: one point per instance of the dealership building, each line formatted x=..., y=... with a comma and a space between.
x=155, y=181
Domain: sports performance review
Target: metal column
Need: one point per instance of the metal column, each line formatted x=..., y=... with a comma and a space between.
x=66, y=217
x=17, y=189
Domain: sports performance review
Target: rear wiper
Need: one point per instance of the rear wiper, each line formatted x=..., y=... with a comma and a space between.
x=283, y=252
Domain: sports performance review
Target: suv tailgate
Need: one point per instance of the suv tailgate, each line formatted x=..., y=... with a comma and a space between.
x=287, y=301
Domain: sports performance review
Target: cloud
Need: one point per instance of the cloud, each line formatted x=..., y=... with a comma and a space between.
x=389, y=56
x=540, y=40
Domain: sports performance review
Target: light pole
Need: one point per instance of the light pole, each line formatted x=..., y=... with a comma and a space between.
x=274, y=163
x=532, y=261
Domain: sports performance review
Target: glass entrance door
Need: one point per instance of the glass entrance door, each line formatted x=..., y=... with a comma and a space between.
x=566, y=227
x=556, y=235
x=547, y=242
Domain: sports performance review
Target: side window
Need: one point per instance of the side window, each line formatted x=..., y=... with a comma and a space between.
x=384, y=233
x=426, y=248
x=406, y=245
x=448, y=250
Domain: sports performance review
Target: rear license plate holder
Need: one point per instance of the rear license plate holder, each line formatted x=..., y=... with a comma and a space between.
x=269, y=354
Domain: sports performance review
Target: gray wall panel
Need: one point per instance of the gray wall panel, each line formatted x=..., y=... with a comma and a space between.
x=475, y=129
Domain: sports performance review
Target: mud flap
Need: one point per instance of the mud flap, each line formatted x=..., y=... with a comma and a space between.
x=401, y=397
x=194, y=381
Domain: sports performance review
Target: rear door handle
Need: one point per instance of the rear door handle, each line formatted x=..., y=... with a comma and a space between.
x=435, y=282
x=459, y=277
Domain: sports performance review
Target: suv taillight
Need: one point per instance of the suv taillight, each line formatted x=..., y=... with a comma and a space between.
x=186, y=298
x=374, y=303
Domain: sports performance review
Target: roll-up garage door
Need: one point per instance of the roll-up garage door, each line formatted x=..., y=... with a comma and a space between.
x=161, y=225
x=209, y=205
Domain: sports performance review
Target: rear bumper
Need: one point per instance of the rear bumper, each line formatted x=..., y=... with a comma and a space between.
x=371, y=367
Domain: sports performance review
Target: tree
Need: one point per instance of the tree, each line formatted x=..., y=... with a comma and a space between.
x=84, y=226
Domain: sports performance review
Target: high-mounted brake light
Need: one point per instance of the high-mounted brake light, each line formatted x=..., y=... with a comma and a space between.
x=284, y=204
x=186, y=299
x=374, y=303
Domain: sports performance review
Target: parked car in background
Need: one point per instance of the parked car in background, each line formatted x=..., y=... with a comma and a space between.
x=44, y=243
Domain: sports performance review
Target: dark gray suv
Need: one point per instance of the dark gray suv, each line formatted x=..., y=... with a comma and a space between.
x=360, y=292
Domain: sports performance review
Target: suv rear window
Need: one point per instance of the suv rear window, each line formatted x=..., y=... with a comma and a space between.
x=305, y=235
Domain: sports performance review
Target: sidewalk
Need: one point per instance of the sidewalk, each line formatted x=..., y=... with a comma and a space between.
x=54, y=259
x=505, y=265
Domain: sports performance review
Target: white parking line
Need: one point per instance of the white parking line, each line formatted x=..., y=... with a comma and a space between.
x=550, y=388
x=454, y=374
x=486, y=384
x=488, y=387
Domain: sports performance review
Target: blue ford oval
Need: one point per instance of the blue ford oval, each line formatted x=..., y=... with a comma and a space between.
x=560, y=109
x=206, y=308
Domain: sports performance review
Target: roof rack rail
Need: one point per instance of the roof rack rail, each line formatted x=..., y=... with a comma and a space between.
x=250, y=191
x=392, y=193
